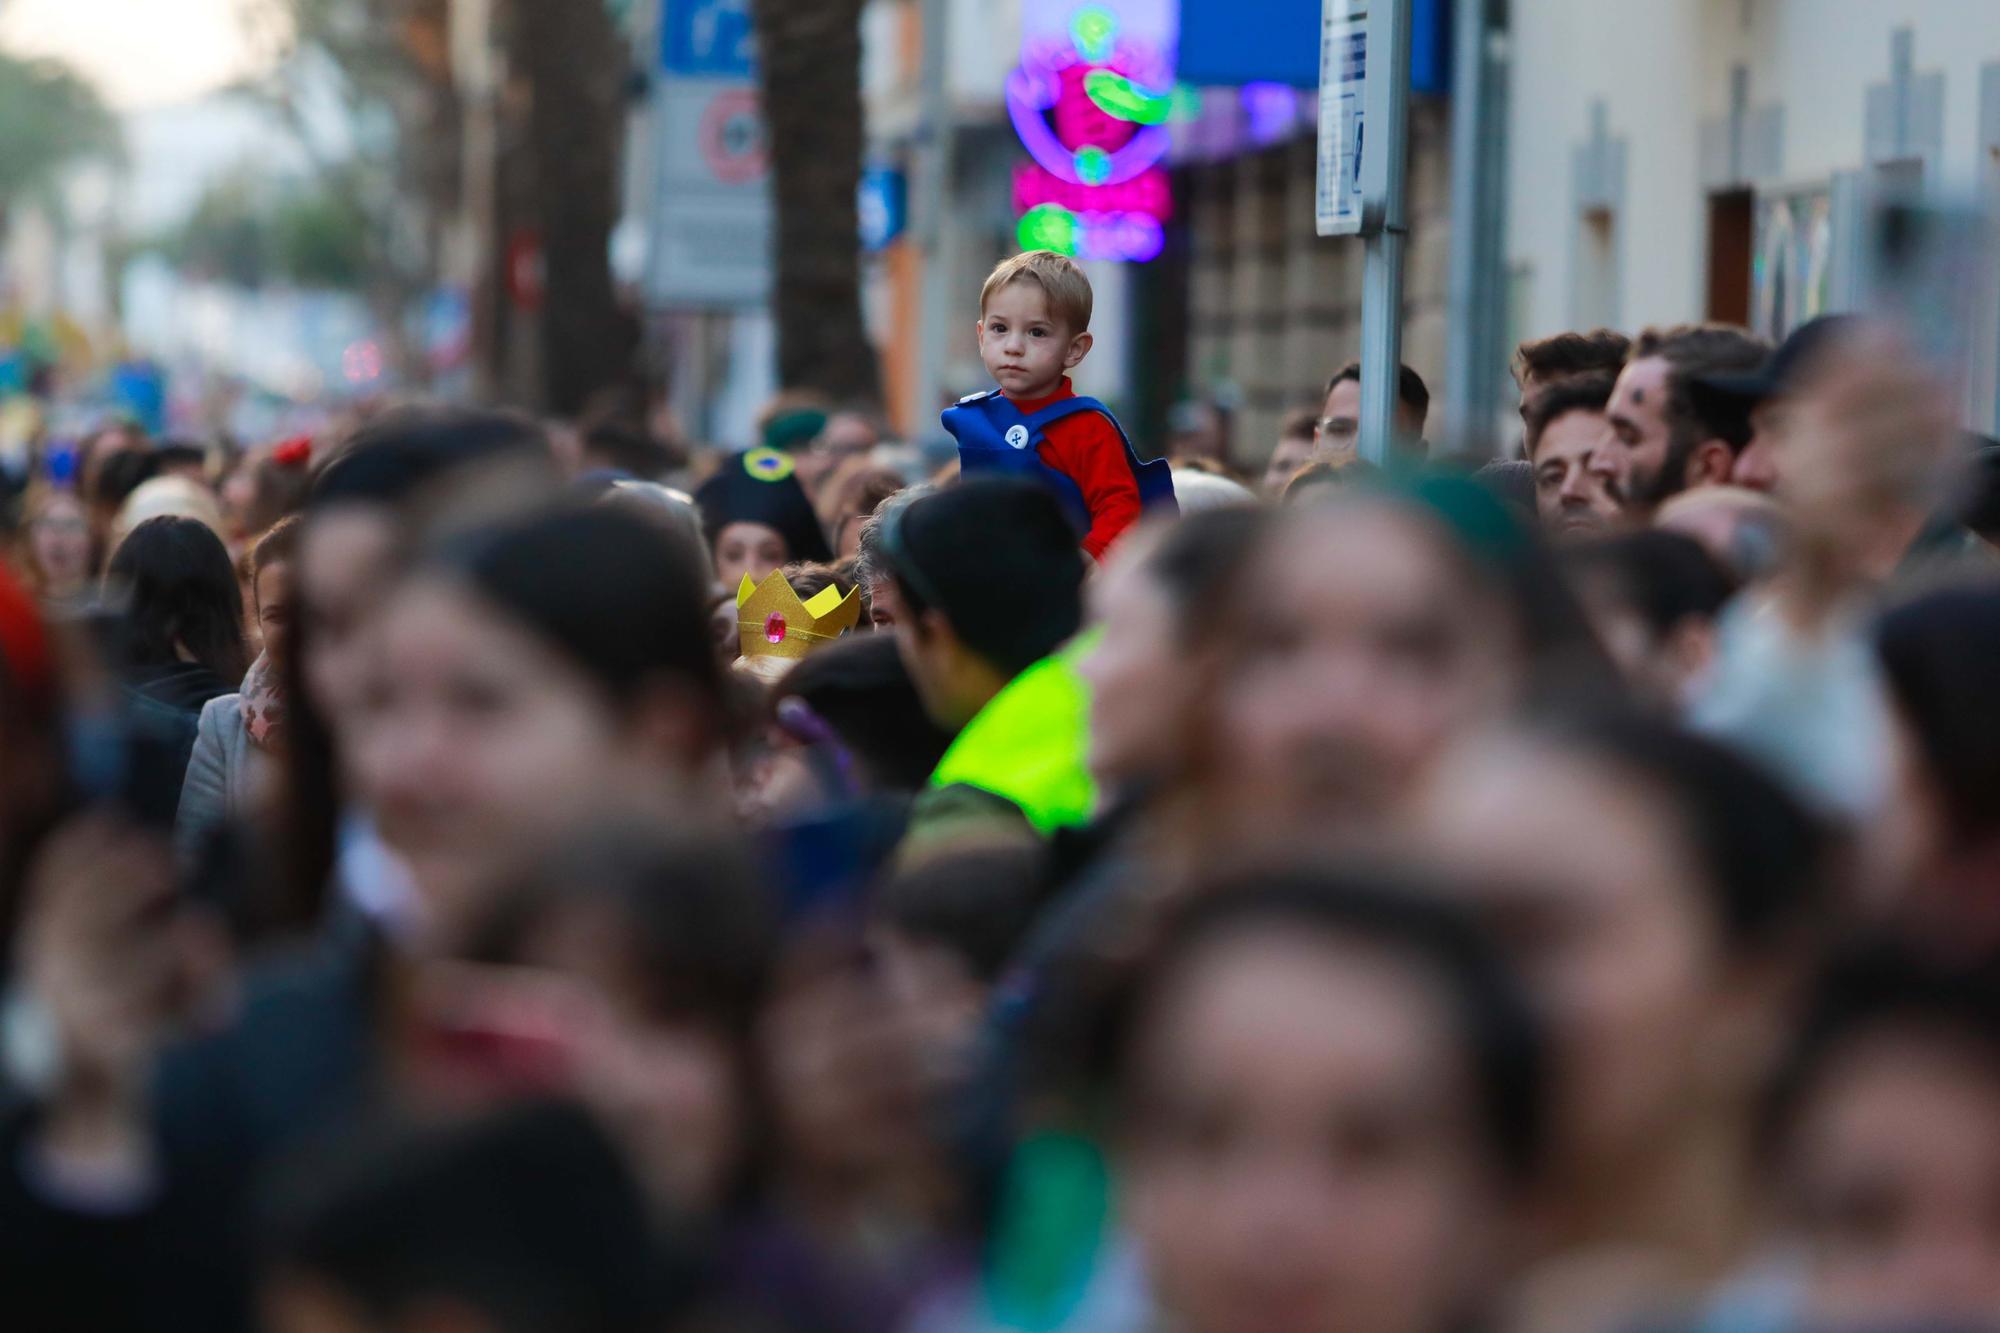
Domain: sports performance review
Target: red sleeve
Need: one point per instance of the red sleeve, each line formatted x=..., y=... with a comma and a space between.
x=1088, y=449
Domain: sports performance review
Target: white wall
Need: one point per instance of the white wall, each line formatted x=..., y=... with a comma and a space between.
x=1642, y=58
x=1662, y=67
x=1819, y=56
x=985, y=45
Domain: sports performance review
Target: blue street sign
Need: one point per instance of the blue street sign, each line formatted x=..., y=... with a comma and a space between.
x=708, y=39
x=1227, y=43
x=884, y=207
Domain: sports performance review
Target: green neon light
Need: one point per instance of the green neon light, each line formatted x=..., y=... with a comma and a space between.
x=1092, y=30
x=1093, y=165
x=1119, y=97
x=1048, y=227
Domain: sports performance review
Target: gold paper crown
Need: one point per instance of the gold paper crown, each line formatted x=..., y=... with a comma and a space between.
x=771, y=621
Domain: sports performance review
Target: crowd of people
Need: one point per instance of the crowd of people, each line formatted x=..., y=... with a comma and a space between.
x=463, y=874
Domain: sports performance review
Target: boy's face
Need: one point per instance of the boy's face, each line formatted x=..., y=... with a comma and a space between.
x=1024, y=348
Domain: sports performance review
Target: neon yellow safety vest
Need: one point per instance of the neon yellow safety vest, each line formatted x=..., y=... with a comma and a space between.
x=1029, y=745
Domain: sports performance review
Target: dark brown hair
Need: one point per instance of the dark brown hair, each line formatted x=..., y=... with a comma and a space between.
x=1578, y=393
x=1702, y=349
x=1561, y=355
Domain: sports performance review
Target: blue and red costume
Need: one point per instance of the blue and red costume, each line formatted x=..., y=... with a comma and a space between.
x=1072, y=445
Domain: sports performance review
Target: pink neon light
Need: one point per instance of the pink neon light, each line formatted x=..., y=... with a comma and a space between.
x=1149, y=192
x=1079, y=120
x=1132, y=237
x=1100, y=171
x=1032, y=94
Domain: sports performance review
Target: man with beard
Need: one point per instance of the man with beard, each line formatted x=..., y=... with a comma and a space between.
x=1662, y=438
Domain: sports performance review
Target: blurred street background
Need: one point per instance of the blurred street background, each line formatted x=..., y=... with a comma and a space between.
x=233, y=217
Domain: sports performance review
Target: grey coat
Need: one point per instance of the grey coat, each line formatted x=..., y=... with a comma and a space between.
x=222, y=775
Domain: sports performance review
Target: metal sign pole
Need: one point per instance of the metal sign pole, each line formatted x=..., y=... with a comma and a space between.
x=1384, y=185
x=1475, y=349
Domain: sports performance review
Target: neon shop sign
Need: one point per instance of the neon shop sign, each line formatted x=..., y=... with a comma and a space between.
x=1091, y=101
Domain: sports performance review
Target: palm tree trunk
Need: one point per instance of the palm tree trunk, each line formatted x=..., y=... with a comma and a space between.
x=809, y=53
x=576, y=68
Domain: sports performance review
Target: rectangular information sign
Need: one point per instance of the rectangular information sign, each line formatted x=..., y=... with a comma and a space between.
x=1343, y=80
x=711, y=217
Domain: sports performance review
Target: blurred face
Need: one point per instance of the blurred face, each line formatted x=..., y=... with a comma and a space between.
x=1662, y=668
x=932, y=655
x=344, y=561
x=670, y=1087
x=1291, y=454
x=1572, y=488
x=846, y=436
x=747, y=550
x=102, y=447
x=1365, y=647
x=276, y=605
x=1138, y=676
x=1023, y=346
x=60, y=544
x=1757, y=463
x=885, y=604
x=1302, y=1155
x=847, y=537
x=1587, y=885
x=1640, y=439
x=238, y=493
x=1894, y=1185
x=477, y=745
x=860, y=1057
x=1340, y=421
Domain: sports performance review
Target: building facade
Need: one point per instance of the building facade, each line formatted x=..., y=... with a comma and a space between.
x=1687, y=159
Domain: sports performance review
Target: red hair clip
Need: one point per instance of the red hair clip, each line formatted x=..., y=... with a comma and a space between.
x=295, y=452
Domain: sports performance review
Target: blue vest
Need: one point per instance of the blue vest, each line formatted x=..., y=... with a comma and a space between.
x=997, y=438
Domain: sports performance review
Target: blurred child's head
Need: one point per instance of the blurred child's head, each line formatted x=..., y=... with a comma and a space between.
x=518, y=1221
x=1034, y=322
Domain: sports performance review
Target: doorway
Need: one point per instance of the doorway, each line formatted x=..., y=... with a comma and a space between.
x=1731, y=244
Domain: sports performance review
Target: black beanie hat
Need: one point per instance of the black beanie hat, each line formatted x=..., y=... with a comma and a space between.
x=999, y=559
x=758, y=486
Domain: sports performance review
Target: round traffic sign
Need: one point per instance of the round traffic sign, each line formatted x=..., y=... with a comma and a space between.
x=732, y=137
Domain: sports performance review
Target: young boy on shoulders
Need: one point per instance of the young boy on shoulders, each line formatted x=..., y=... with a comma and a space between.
x=1034, y=327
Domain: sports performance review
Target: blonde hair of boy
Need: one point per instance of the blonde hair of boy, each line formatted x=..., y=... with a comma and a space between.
x=1062, y=282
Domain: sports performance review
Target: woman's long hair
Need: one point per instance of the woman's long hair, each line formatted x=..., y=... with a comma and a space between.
x=383, y=468
x=180, y=592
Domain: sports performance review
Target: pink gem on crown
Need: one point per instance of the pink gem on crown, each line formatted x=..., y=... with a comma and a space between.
x=774, y=628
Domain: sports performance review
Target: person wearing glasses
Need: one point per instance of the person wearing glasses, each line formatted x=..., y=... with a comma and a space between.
x=1339, y=435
